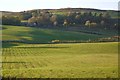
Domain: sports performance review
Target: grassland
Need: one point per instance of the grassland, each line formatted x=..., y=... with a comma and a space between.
x=81, y=60
x=78, y=60
x=39, y=35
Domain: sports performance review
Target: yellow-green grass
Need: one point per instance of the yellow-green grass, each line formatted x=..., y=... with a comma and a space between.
x=81, y=60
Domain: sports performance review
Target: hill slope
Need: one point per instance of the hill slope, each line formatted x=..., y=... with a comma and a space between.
x=84, y=60
x=38, y=35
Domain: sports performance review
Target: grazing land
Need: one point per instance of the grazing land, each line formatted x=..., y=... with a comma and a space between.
x=65, y=60
x=38, y=35
x=79, y=60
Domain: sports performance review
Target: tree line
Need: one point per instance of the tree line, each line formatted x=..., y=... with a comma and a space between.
x=49, y=19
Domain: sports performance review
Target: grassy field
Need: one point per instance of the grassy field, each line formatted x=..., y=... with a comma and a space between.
x=29, y=34
x=78, y=60
x=81, y=60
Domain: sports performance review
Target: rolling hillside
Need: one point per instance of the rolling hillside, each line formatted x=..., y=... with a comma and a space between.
x=63, y=11
x=81, y=60
x=38, y=35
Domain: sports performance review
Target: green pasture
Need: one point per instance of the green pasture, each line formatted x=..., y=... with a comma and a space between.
x=39, y=35
x=80, y=60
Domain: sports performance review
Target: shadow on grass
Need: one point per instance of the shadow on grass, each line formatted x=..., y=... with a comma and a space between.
x=14, y=78
x=13, y=62
x=43, y=47
x=8, y=44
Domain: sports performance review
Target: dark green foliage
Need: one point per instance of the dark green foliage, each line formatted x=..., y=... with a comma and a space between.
x=25, y=16
x=10, y=20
